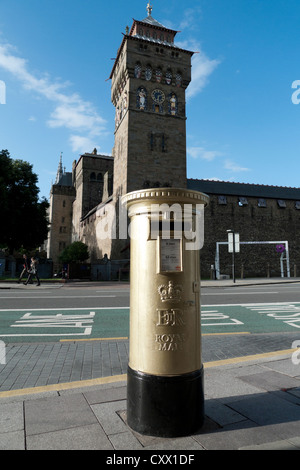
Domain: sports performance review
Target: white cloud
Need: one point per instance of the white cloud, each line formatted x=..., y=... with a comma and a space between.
x=200, y=152
x=190, y=18
x=230, y=165
x=70, y=112
x=202, y=67
x=82, y=144
x=78, y=115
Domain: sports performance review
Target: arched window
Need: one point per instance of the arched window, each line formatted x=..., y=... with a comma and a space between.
x=100, y=177
x=93, y=176
x=178, y=79
x=148, y=73
x=138, y=70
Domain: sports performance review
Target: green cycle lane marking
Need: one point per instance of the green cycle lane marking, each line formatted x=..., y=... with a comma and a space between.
x=112, y=323
x=255, y=318
x=55, y=324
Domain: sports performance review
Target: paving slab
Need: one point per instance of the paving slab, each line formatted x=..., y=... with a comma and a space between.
x=235, y=436
x=267, y=409
x=271, y=380
x=89, y=437
x=14, y=440
x=11, y=417
x=55, y=414
x=251, y=405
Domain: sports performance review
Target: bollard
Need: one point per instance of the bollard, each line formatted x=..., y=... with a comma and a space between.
x=165, y=394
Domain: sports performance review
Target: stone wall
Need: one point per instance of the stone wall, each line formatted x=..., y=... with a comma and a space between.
x=253, y=223
x=60, y=218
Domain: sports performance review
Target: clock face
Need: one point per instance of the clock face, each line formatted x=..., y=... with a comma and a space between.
x=158, y=96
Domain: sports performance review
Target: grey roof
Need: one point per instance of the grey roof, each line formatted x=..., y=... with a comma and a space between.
x=153, y=22
x=65, y=180
x=226, y=188
x=157, y=41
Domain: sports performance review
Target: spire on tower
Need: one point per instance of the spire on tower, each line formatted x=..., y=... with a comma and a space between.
x=149, y=9
x=60, y=171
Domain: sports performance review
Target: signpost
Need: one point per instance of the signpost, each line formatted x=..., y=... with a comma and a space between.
x=279, y=247
x=233, y=247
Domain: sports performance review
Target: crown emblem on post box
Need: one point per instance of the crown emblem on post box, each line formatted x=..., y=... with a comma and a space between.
x=170, y=292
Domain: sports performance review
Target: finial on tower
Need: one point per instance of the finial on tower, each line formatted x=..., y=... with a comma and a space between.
x=59, y=170
x=149, y=9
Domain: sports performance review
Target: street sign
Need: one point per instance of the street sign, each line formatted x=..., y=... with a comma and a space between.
x=233, y=238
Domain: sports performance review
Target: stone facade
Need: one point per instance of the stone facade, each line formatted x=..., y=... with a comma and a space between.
x=259, y=214
x=74, y=198
x=89, y=175
x=60, y=218
x=149, y=79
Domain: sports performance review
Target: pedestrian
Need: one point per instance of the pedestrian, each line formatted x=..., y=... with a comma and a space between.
x=33, y=271
x=25, y=268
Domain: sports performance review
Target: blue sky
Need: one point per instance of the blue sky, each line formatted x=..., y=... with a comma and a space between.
x=55, y=59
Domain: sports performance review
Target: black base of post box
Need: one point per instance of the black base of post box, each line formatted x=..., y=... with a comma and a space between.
x=165, y=406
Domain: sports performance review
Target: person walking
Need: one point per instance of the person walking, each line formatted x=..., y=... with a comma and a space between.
x=33, y=271
x=25, y=269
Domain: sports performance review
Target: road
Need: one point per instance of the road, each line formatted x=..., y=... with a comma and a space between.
x=117, y=295
x=85, y=311
x=251, y=294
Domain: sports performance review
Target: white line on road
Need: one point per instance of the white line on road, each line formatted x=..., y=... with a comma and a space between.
x=64, y=297
x=239, y=293
x=53, y=309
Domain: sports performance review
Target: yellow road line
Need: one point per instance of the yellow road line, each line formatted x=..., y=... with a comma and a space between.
x=126, y=338
x=64, y=386
x=227, y=334
x=236, y=360
x=91, y=339
x=121, y=378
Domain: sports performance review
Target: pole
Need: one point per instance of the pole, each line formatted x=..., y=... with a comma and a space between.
x=233, y=258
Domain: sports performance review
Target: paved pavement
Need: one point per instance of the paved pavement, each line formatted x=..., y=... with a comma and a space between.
x=72, y=395
x=252, y=404
x=204, y=283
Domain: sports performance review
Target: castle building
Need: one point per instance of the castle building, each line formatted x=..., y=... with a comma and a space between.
x=60, y=214
x=149, y=79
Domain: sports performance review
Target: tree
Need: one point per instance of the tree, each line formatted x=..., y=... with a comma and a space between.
x=74, y=253
x=23, y=217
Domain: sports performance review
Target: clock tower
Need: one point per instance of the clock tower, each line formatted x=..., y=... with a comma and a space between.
x=149, y=79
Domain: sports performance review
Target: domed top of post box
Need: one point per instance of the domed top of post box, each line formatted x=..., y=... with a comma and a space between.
x=165, y=195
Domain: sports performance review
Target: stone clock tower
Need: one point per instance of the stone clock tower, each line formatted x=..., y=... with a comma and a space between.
x=149, y=79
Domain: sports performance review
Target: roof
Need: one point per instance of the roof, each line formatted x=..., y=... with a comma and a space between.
x=94, y=156
x=227, y=188
x=64, y=180
x=153, y=22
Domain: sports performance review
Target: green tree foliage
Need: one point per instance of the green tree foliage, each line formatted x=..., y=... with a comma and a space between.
x=23, y=218
x=74, y=253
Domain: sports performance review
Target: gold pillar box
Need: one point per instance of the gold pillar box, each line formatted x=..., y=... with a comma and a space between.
x=165, y=329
